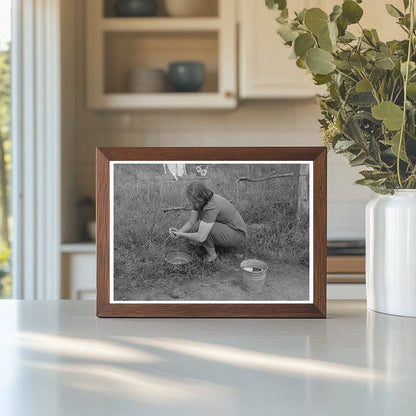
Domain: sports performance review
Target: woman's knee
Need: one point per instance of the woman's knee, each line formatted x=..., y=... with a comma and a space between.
x=224, y=236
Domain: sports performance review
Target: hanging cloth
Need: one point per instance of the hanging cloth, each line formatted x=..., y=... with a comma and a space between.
x=176, y=169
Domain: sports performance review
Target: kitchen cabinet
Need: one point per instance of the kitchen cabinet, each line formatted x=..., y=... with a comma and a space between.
x=78, y=263
x=265, y=70
x=116, y=46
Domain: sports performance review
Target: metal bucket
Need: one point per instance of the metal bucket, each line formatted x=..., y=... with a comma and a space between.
x=254, y=275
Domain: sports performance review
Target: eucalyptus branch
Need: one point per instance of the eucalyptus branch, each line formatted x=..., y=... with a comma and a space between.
x=392, y=90
x=373, y=89
x=345, y=75
x=406, y=80
x=403, y=28
x=369, y=41
x=397, y=95
x=383, y=119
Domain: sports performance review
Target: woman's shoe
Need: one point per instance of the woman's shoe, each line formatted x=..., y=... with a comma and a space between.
x=210, y=259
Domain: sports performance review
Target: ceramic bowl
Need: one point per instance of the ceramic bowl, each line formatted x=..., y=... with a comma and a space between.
x=135, y=8
x=186, y=76
x=147, y=80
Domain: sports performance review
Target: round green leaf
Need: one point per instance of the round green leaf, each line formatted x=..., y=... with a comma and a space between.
x=300, y=16
x=347, y=37
x=324, y=42
x=375, y=35
x=411, y=90
x=276, y=4
x=342, y=64
x=393, y=11
x=327, y=40
x=403, y=65
x=342, y=25
x=394, y=144
x=358, y=61
x=301, y=63
x=391, y=114
x=303, y=43
x=333, y=32
x=363, y=86
x=286, y=32
x=385, y=63
x=316, y=20
x=321, y=79
x=336, y=12
x=351, y=11
x=319, y=61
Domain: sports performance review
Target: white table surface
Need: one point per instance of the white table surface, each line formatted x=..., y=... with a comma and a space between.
x=58, y=359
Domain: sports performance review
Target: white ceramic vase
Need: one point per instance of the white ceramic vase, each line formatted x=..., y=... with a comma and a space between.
x=391, y=253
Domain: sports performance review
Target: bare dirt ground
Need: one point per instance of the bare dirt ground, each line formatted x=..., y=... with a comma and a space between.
x=222, y=281
x=279, y=285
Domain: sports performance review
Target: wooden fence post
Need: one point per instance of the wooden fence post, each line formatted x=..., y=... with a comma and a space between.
x=303, y=192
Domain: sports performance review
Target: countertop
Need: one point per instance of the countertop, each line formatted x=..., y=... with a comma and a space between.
x=57, y=358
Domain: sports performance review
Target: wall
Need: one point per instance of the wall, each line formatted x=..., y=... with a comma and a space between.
x=265, y=123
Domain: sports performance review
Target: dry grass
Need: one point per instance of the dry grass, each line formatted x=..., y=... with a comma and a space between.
x=141, y=227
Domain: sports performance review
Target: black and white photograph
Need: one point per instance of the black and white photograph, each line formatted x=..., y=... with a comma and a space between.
x=211, y=232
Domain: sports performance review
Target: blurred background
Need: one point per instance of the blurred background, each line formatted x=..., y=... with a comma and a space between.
x=145, y=73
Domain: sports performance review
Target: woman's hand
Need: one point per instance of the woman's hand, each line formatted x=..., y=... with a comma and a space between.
x=173, y=232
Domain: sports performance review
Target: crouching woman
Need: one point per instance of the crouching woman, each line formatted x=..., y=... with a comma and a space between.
x=214, y=221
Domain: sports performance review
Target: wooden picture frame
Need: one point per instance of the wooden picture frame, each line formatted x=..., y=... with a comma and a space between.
x=315, y=307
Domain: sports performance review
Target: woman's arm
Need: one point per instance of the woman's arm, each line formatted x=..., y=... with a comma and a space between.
x=200, y=236
x=193, y=218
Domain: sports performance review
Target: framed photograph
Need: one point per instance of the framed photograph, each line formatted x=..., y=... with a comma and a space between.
x=211, y=232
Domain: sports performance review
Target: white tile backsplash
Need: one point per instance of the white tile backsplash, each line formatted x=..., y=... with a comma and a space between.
x=346, y=219
x=164, y=138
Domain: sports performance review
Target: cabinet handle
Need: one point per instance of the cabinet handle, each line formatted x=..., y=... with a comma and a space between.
x=228, y=94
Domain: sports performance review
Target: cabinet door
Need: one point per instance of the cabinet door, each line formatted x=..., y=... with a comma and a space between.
x=78, y=276
x=265, y=68
x=117, y=46
x=376, y=17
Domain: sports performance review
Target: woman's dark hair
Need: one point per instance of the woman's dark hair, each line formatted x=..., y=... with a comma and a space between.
x=198, y=194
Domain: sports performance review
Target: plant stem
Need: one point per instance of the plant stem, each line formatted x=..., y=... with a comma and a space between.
x=373, y=89
x=397, y=95
x=345, y=75
x=406, y=80
x=392, y=90
x=369, y=41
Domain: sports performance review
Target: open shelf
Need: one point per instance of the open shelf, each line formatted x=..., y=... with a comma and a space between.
x=194, y=101
x=79, y=247
x=127, y=51
x=116, y=46
x=108, y=9
x=160, y=24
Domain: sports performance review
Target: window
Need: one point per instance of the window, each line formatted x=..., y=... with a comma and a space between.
x=5, y=144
